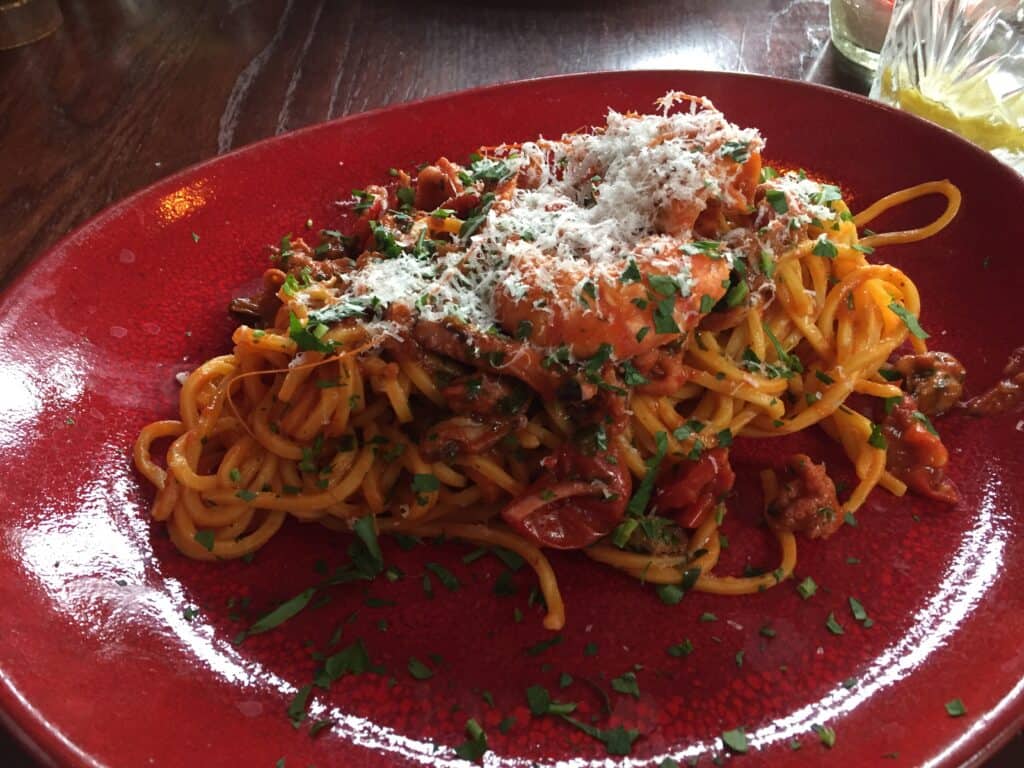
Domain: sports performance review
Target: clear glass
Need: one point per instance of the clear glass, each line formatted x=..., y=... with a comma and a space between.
x=858, y=28
x=959, y=63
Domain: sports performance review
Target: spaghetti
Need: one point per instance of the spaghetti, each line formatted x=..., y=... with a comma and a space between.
x=554, y=346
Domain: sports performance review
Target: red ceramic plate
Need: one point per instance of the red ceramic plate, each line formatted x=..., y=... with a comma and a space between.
x=117, y=651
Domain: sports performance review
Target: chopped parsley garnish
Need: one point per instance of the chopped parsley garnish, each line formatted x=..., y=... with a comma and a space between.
x=539, y=648
x=491, y=170
x=425, y=483
x=297, y=706
x=670, y=594
x=850, y=519
x=706, y=303
x=204, y=539
x=877, y=438
x=834, y=626
x=245, y=495
x=908, y=319
x=446, y=577
x=642, y=497
x=281, y=614
x=825, y=247
x=351, y=660
x=308, y=337
x=631, y=376
x=739, y=151
x=419, y=670
x=664, y=322
x=777, y=199
x=828, y=194
x=826, y=735
x=663, y=284
x=618, y=740
x=631, y=274
x=736, y=740
x=857, y=609
x=678, y=650
x=477, y=216
x=475, y=745
x=737, y=294
x=707, y=617
x=807, y=588
x=626, y=684
x=955, y=708
x=925, y=421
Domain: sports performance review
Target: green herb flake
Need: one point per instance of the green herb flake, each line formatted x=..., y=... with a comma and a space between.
x=955, y=708
x=538, y=699
x=735, y=740
x=670, y=594
x=877, y=438
x=446, y=577
x=419, y=670
x=679, y=650
x=825, y=248
x=708, y=617
x=826, y=735
x=282, y=613
x=543, y=645
x=631, y=273
x=204, y=539
x=642, y=497
x=908, y=319
x=925, y=422
x=297, y=706
x=807, y=588
x=626, y=684
x=425, y=483
x=777, y=199
x=475, y=745
x=834, y=626
x=857, y=609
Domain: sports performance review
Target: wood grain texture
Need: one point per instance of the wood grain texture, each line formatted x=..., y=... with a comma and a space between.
x=126, y=93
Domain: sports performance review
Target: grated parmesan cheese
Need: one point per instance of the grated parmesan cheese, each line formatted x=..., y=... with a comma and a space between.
x=595, y=200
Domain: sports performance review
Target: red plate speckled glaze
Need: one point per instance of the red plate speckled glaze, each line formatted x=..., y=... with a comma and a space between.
x=101, y=665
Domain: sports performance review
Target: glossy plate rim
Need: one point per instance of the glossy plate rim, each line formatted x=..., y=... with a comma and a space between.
x=32, y=727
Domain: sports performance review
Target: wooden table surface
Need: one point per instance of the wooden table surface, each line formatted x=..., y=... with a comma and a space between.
x=129, y=91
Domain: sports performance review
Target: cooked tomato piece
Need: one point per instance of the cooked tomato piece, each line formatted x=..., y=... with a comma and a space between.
x=915, y=454
x=688, y=491
x=577, y=500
